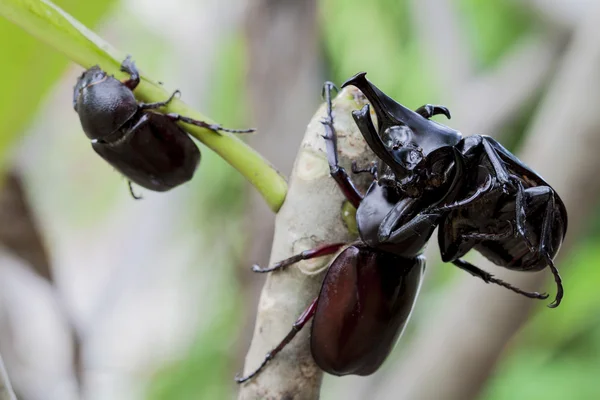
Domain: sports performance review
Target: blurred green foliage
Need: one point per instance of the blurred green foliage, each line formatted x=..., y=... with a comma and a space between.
x=557, y=354
x=493, y=26
x=217, y=201
x=32, y=70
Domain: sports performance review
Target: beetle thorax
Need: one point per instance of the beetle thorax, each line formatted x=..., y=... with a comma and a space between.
x=104, y=106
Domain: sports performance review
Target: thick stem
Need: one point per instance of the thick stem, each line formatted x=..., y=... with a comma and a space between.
x=311, y=215
x=51, y=25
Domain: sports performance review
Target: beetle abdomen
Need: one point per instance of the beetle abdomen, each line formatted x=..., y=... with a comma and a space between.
x=155, y=153
x=365, y=302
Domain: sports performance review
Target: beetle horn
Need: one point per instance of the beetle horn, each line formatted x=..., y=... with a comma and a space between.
x=389, y=112
x=364, y=122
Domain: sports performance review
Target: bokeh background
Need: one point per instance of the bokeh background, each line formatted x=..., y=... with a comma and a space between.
x=104, y=297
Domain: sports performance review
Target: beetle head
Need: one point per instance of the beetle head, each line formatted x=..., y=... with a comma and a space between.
x=90, y=77
x=399, y=142
x=404, y=138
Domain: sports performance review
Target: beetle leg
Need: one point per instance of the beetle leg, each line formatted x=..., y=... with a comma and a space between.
x=520, y=217
x=338, y=173
x=206, y=125
x=489, y=278
x=129, y=67
x=419, y=225
x=544, y=194
x=320, y=251
x=298, y=325
x=150, y=106
x=132, y=192
x=486, y=187
x=429, y=110
x=502, y=173
x=372, y=169
x=488, y=236
x=546, y=235
x=423, y=221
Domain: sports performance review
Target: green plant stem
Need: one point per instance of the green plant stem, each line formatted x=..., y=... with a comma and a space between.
x=48, y=23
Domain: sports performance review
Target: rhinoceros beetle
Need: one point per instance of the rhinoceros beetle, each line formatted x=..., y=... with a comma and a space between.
x=507, y=212
x=146, y=146
x=370, y=287
x=503, y=209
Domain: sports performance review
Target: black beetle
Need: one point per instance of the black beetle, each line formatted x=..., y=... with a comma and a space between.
x=482, y=196
x=506, y=212
x=501, y=207
x=370, y=287
x=146, y=146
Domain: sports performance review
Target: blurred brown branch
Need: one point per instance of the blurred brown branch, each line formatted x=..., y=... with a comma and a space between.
x=459, y=345
x=441, y=34
x=488, y=102
x=18, y=228
x=20, y=234
x=283, y=81
x=284, y=70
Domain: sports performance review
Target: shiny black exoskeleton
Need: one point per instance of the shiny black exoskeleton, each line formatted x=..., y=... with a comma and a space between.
x=370, y=287
x=505, y=211
x=482, y=197
x=501, y=207
x=146, y=146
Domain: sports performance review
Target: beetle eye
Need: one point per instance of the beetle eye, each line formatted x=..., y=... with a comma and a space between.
x=411, y=158
x=395, y=134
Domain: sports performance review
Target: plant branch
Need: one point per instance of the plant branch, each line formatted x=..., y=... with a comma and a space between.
x=311, y=215
x=48, y=23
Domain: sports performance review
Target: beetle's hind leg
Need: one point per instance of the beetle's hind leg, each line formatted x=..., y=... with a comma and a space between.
x=338, y=173
x=129, y=67
x=489, y=278
x=202, y=124
x=430, y=110
x=319, y=251
x=298, y=325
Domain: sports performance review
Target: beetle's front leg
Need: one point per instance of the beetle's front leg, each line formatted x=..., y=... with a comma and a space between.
x=338, y=173
x=129, y=67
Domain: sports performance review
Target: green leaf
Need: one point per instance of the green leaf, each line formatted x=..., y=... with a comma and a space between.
x=48, y=23
x=28, y=71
